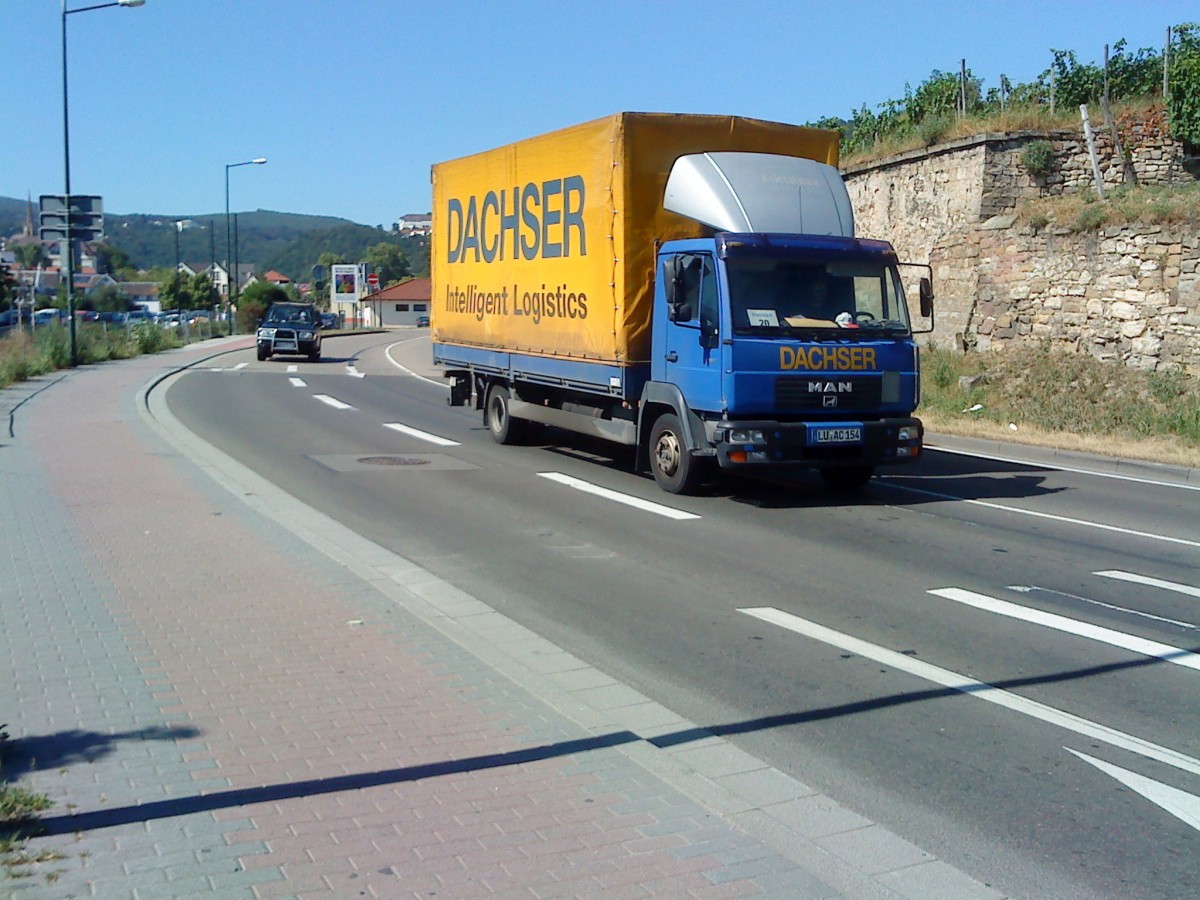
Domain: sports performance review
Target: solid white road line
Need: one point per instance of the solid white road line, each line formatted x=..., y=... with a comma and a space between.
x=1152, y=582
x=1181, y=804
x=1165, y=652
x=297, y=382
x=636, y=502
x=1041, y=515
x=388, y=353
x=332, y=401
x=1031, y=588
x=979, y=689
x=422, y=435
x=1058, y=468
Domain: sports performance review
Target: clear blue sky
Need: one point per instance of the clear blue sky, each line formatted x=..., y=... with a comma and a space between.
x=351, y=101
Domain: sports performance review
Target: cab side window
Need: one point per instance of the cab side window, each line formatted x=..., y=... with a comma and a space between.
x=696, y=290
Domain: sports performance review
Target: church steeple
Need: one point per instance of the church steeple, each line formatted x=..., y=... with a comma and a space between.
x=29, y=230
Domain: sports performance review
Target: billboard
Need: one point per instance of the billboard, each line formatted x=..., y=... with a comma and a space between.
x=346, y=284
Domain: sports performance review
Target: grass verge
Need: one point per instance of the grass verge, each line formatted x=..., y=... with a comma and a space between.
x=1050, y=398
x=24, y=356
x=19, y=808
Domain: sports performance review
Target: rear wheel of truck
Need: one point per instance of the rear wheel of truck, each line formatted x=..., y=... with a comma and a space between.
x=504, y=428
x=849, y=479
x=675, y=470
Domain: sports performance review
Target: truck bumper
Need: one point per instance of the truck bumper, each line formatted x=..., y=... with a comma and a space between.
x=820, y=445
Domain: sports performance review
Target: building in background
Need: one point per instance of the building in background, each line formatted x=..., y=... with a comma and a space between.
x=400, y=304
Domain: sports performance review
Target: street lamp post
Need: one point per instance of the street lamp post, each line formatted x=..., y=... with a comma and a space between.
x=68, y=241
x=231, y=277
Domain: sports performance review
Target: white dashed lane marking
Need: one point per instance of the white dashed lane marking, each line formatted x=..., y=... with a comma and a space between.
x=332, y=401
x=636, y=502
x=421, y=435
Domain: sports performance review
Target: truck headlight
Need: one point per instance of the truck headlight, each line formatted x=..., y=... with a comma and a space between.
x=907, y=434
x=746, y=436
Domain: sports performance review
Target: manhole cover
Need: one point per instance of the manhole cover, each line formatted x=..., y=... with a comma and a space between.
x=392, y=461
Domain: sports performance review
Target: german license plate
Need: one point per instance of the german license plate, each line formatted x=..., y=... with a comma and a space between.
x=841, y=434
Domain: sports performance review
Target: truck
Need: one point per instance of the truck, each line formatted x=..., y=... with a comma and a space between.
x=685, y=286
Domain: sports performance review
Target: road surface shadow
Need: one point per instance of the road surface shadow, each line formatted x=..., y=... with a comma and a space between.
x=275, y=793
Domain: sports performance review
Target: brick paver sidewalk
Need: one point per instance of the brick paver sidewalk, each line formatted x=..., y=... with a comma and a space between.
x=217, y=709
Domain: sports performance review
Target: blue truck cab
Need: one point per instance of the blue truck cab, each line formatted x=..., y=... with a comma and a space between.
x=786, y=350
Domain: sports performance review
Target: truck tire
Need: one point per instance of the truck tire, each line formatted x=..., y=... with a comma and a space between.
x=849, y=479
x=504, y=428
x=675, y=470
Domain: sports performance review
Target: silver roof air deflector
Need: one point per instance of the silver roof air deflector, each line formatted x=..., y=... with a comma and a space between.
x=760, y=192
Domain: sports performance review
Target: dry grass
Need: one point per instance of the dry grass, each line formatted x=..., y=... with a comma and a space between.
x=1050, y=398
x=1014, y=119
x=1124, y=206
x=1164, y=450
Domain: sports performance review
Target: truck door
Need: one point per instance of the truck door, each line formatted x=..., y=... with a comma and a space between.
x=692, y=354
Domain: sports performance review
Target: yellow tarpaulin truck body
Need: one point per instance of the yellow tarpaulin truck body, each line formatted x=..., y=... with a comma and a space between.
x=547, y=246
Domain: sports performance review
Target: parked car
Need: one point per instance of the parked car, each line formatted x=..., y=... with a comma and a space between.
x=290, y=328
x=46, y=316
x=138, y=317
x=422, y=321
x=330, y=320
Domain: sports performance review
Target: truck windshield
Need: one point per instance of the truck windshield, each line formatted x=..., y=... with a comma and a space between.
x=770, y=295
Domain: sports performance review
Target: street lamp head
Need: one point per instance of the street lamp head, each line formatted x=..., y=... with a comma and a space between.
x=259, y=161
x=131, y=2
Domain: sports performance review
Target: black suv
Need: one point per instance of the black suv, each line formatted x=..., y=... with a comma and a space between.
x=290, y=328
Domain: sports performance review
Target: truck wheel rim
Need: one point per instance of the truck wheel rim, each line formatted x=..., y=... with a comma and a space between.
x=667, y=452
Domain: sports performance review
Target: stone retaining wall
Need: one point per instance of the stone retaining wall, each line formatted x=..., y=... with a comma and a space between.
x=1128, y=294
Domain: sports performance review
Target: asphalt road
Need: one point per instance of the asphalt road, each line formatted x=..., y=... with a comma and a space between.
x=996, y=660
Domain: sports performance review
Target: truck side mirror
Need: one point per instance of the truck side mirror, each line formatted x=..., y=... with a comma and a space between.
x=926, y=292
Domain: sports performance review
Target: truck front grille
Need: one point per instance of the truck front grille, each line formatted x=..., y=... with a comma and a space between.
x=830, y=392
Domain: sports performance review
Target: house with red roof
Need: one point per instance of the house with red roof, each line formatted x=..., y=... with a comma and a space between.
x=400, y=304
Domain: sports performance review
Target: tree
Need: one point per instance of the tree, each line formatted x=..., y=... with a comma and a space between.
x=109, y=299
x=8, y=284
x=328, y=259
x=174, y=292
x=113, y=260
x=1183, y=106
x=389, y=262
x=201, y=291
x=254, y=301
x=30, y=256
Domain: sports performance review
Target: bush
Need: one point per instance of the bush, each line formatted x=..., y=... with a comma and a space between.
x=1038, y=158
x=934, y=129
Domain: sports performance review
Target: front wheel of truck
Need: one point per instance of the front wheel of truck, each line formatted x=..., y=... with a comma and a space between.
x=504, y=428
x=675, y=470
x=849, y=479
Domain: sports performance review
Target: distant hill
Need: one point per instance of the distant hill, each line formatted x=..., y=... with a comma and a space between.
x=290, y=243
x=12, y=215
